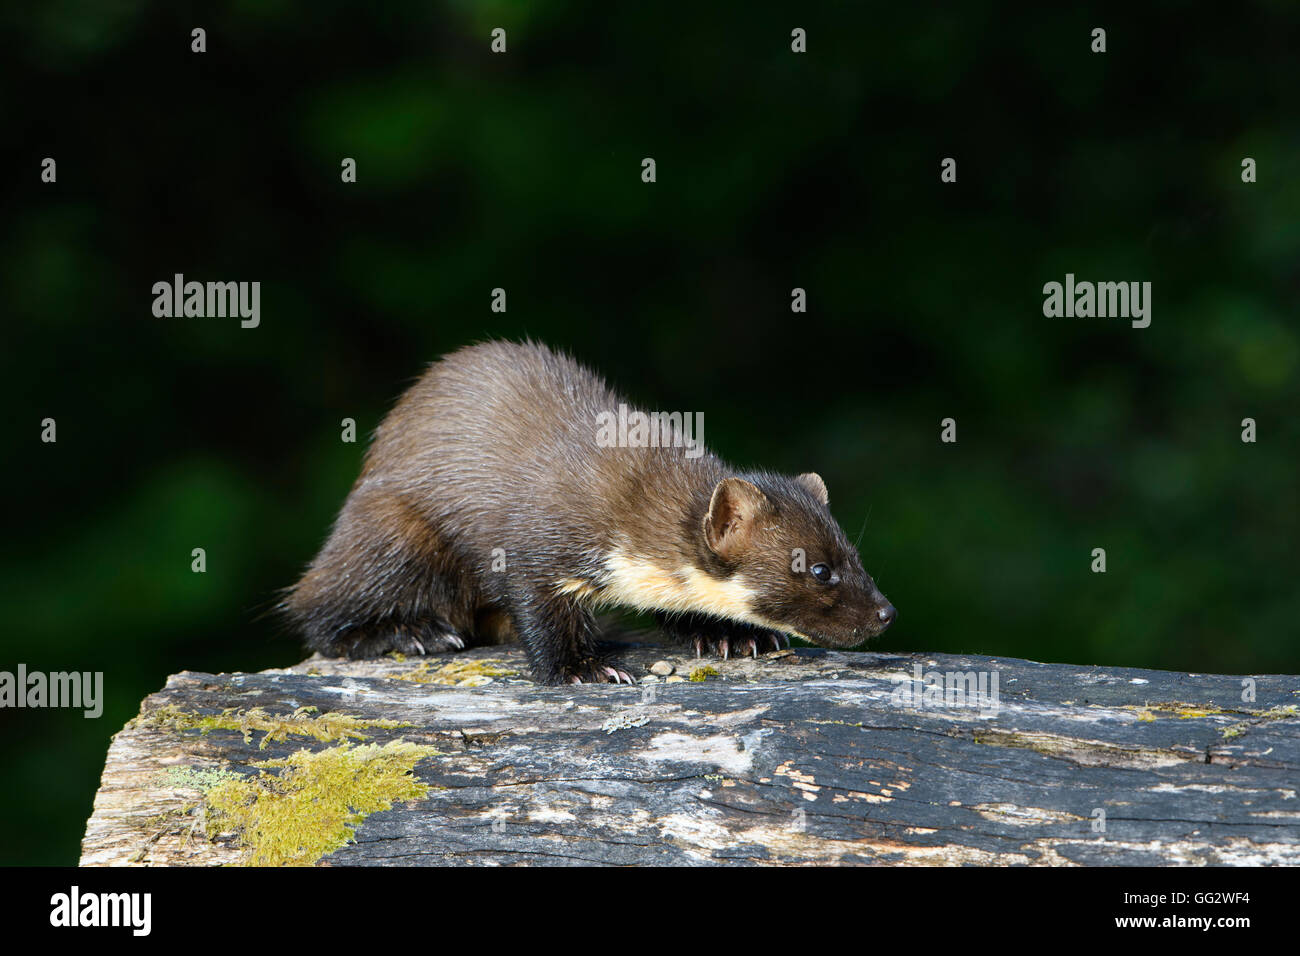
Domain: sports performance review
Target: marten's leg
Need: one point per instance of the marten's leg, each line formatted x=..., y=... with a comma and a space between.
x=558, y=635
x=723, y=638
x=383, y=582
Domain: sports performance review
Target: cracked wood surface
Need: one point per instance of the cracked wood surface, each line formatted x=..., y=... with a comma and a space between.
x=803, y=757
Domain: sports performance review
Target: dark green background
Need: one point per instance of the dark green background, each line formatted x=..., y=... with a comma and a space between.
x=775, y=170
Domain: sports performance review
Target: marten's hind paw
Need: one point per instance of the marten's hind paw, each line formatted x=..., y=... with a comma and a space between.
x=597, y=672
x=439, y=642
x=412, y=640
x=748, y=643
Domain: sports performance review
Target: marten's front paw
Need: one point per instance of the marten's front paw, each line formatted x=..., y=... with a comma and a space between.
x=742, y=642
x=595, y=671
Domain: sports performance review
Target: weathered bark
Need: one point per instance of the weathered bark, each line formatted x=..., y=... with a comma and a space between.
x=804, y=757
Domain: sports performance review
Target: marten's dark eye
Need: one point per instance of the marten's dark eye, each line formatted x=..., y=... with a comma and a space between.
x=821, y=572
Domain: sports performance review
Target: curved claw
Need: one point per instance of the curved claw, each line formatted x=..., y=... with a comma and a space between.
x=699, y=648
x=726, y=648
x=438, y=641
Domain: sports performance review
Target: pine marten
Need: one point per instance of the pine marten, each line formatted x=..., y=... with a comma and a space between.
x=487, y=510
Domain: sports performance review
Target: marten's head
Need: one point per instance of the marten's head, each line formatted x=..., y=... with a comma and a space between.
x=776, y=534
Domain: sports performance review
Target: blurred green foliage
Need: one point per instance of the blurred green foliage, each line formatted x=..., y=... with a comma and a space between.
x=775, y=170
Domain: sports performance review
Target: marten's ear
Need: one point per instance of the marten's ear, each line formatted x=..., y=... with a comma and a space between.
x=733, y=509
x=813, y=482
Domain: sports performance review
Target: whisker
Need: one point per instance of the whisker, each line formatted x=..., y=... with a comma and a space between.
x=864, y=526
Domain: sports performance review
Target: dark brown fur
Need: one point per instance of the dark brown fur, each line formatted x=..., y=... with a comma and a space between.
x=495, y=448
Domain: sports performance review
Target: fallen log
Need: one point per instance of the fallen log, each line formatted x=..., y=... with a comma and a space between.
x=800, y=757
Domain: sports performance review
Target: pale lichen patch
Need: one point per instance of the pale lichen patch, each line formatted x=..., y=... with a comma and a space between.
x=303, y=722
x=194, y=778
x=459, y=673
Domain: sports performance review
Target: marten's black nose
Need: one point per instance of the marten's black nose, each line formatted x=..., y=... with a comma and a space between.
x=887, y=614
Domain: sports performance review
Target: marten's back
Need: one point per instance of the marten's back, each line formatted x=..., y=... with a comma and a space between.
x=492, y=410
